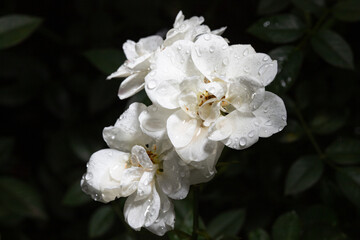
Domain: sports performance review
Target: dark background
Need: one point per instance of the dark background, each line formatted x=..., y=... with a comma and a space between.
x=55, y=102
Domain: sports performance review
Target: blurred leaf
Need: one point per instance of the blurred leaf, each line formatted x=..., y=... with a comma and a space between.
x=325, y=123
x=102, y=94
x=271, y=6
x=74, y=196
x=292, y=132
x=101, y=221
x=259, y=234
x=324, y=232
x=303, y=174
x=6, y=147
x=289, y=64
x=278, y=29
x=20, y=198
x=287, y=227
x=344, y=151
x=184, y=216
x=309, y=5
x=348, y=10
x=348, y=180
x=83, y=144
x=227, y=223
x=319, y=215
x=333, y=49
x=16, y=28
x=105, y=60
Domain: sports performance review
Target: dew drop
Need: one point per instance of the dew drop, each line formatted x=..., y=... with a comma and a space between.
x=280, y=128
x=256, y=123
x=242, y=142
x=207, y=37
x=121, y=117
x=263, y=68
x=246, y=52
x=187, y=52
x=225, y=61
x=266, y=58
x=225, y=46
x=151, y=84
x=88, y=176
x=266, y=24
x=110, y=154
x=283, y=117
x=211, y=49
x=251, y=134
x=182, y=27
x=268, y=123
x=179, y=48
x=112, y=137
x=246, y=69
x=152, y=73
x=154, y=108
x=197, y=50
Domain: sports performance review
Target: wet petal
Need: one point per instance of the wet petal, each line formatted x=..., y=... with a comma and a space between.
x=98, y=181
x=132, y=85
x=237, y=53
x=148, y=44
x=129, y=50
x=181, y=128
x=126, y=132
x=145, y=185
x=144, y=212
x=210, y=111
x=141, y=156
x=271, y=115
x=122, y=71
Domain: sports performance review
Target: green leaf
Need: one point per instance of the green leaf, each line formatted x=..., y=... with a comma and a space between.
x=74, y=196
x=289, y=64
x=227, y=224
x=309, y=5
x=16, y=28
x=333, y=49
x=324, y=232
x=326, y=123
x=271, y=6
x=20, y=198
x=105, y=60
x=278, y=29
x=347, y=10
x=259, y=234
x=287, y=227
x=344, y=151
x=319, y=215
x=101, y=221
x=348, y=179
x=303, y=174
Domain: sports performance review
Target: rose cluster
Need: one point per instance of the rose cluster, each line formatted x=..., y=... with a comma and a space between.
x=206, y=94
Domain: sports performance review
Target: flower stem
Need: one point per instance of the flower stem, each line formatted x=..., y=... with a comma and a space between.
x=196, y=193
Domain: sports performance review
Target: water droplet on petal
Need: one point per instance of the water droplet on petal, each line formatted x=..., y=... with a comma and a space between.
x=251, y=134
x=151, y=84
x=211, y=49
x=283, y=117
x=225, y=61
x=246, y=69
x=268, y=123
x=152, y=73
x=207, y=37
x=88, y=176
x=154, y=108
x=242, y=142
x=187, y=52
x=121, y=117
x=179, y=48
x=266, y=58
x=246, y=52
x=280, y=128
x=112, y=137
x=256, y=123
x=197, y=50
x=225, y=46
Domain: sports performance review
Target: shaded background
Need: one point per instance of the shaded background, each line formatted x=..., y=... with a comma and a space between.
x=303, y=183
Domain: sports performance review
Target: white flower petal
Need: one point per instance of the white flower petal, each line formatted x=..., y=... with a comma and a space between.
x=237, y=53
x=145, y=185
x=260, y=67
x=122, y=71
x=153, y=121
x=199, y=148
x=126, y=132
x=219, y=31
x=271, y=115
x=129, y=180
x=129, y=50
x=148, y=44
x=166, y=219
x=181, y=128
x=132, y=85
x=98, y=181
x=144, y=212
x=204, y=171
x=174, y=180
x=209, y=111
x=244, y=130
x=211, y=55
x=141, y=157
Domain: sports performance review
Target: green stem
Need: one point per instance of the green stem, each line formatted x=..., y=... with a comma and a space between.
x=182, y=234
x=196, y=193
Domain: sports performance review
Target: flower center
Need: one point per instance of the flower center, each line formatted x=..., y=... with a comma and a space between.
x=203, y=97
